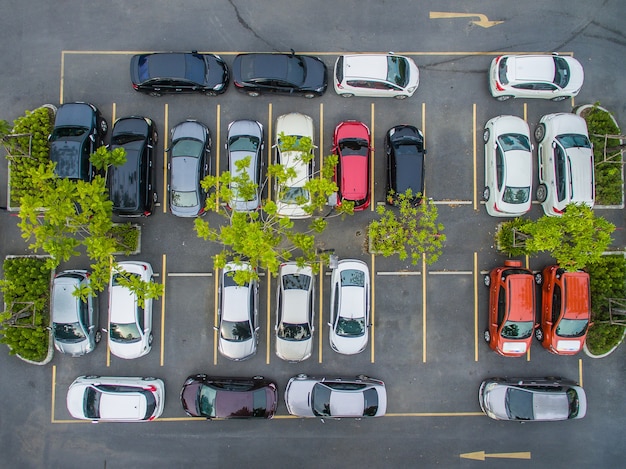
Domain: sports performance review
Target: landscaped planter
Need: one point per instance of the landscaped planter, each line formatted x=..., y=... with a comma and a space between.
x=609, y=175
x=134, y=246
x=29, y=282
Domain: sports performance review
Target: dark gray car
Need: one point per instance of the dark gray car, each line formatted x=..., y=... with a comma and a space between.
x=245, y=140
x=75, y=323
x=189, y=163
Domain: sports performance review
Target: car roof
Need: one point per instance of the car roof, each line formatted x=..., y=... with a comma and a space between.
x=128, y=405
x=236, y=303
x=531, y=68
x=295, y=306
x=347, y=403
x=65, y=304
x=352, y=302
x=365, y=66
x=184, y=173
x=576, y=291
x=124, y=180
x=550, y=405
x=521, y=288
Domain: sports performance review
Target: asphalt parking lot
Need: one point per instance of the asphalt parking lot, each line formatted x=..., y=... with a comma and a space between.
x=426, y=340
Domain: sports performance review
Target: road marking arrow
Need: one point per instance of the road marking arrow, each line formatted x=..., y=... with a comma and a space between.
x=482, y=20
x=481, y=455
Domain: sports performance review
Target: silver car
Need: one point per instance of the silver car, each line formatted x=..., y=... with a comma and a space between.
x=358, y=397
x=527, y=399
x=238, y=314
x=295, y=298
x=245, y=140
x=75, y=323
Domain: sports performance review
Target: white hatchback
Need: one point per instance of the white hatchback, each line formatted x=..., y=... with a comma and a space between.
x=130, y=325
x=566, y=168
x=116, y=399
x=349, y=307
x=295, y=312
x=508, y=167
x=376, y=76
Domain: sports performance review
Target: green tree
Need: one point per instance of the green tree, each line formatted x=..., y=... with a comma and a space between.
x=575, y=240
x=407, y=230
x=262, y=237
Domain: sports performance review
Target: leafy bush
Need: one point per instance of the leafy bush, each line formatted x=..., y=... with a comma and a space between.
x=126, y=236
x=26, y=279
x=608, y=280
x=608, y=174
x=37, y=124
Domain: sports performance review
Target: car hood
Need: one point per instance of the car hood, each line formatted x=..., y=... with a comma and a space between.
x=189, y=397
x=124, y=180
x=74, y=349
x=237, y=350
x=129, y=351
x=294, y=350
x=348, y=345
x=74, y=400
x=298, y=397
x=494, y=402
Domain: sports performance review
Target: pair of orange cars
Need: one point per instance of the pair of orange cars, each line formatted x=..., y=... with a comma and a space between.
x=565, y=309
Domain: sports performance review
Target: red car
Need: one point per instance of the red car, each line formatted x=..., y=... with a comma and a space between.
x=352, y=173
x=511, y=309
x=565, y=310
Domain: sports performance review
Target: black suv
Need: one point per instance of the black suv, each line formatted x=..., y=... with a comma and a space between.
x=79, y=130
x=132, y=186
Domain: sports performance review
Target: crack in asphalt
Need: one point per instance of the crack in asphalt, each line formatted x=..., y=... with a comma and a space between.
x=247, y=27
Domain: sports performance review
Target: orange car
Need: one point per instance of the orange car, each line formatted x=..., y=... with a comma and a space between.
x=565, y=310
x=511, y=309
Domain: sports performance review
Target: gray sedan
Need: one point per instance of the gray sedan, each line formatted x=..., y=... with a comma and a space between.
x=245, y=141
x=189, y=163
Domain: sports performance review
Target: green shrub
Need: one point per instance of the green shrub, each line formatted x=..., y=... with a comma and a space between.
x=27, y=279
x=608, y=174
x=126, y=237
x=608, y=280
x=38, y=124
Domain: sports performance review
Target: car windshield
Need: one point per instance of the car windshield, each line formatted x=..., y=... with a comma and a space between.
x=91, y=403
x=348, y=327
x=561, y=72
x=65, y=132
x=206, y=401
x=118, y=278
x=185, y=199
x=572, y=327
x=294, y=332
x=572, y=400
x=519, y=404
x=294, y=195
x=229, y=281
x=510, y=142
x=124, y=139
x=397, y=70
x=408, y=146
x=125, y=333
x=573, y=141
x=236, y=331
x=353, y=146
x=65, y=332
x=517, y=329
x=243, y=143
x=296, y=70
x=516, y=195
x=187, y=147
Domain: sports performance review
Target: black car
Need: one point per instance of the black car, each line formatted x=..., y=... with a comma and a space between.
x=227, y=398
x=302, y=75
x=79, y=130
x=404, y=146
x=178, y=72
x=132, y=186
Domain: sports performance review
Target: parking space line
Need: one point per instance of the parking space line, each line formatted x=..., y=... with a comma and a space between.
x=215, y=308
x=424, y=143
x=453, y=202
x=62, y=80
x=398, y=273
x=424, y=307
x=165, y=143
x=163, y=281
x=269, y=151
x=218, y=146
x=476, y=333
x=528, y=267
x=190, y=274
x=321, y=313
x=269, y=312
x=113, y=114
x=373, y=308
x=474, y=130
x=525, y=112
x=580, y=372
x=54, y=378
x=372, y=158
x=321, y=139
x=451, y=272
x=435, y=414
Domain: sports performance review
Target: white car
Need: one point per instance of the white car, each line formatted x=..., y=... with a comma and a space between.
x=116, y=399
x=535, y=76
x=292, y=197
x=238, y=314
x=349, y=307
x=508, y=167
x=306, y=396
x=376, y=76
x=130, y=325
x=295, y=312
x=566, y=168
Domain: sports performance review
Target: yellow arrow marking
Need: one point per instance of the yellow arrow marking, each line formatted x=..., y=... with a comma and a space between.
x=481, y=455
x=482, y=20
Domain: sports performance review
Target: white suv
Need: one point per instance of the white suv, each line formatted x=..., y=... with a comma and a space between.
x=566, y=168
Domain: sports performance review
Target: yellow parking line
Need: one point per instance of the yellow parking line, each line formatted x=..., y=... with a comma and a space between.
x=526, y=112
x=54, y=378
x=373, y=306
x=113, y=113
x=165, y=143
x=528, y=267
x=324, y=53
x=269, y=149
x=268, y=310
x=215, y=308
x=474, y=130
x=163, y=280
x=217, y=153
x=424, y=307
x=372, y=158
x=321, y=312
x=476, y=332
x=423, y=133
x=580, y=371
x=321, y=146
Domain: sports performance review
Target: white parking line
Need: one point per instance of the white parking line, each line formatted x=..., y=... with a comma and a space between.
x=190, y=274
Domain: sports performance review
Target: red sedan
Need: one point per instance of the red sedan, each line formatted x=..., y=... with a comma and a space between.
x=352, y=173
